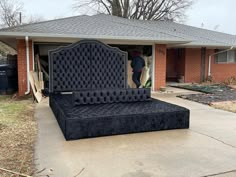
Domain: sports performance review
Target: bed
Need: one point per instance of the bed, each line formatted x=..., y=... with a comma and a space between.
x=89, y=95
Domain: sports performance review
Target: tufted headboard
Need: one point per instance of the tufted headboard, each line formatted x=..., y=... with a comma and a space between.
x=87, y=64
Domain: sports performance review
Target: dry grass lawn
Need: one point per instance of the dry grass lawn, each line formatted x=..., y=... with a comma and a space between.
x=227, y=106
x=17, y=135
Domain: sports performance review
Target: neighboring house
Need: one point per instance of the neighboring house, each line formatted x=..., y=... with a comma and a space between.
x=178, y=51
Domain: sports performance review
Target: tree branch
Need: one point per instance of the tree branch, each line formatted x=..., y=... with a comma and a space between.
x=143, y=9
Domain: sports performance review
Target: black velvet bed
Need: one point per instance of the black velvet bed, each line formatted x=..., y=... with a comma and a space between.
x=89, y=95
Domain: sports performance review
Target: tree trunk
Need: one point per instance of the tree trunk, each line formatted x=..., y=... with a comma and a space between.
x=126, y=8
x=116, y=8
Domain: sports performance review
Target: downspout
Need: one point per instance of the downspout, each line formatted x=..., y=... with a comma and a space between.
x=27, y=64
x=33, y=53
x=153, y=67
x=209, y=64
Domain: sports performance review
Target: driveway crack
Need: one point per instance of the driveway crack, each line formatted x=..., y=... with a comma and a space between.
x=214, y=138
x=221, y=173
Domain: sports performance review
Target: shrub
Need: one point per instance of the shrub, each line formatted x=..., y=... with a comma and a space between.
x=231, y=80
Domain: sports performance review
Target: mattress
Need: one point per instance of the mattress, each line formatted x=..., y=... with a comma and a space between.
x=85, y=121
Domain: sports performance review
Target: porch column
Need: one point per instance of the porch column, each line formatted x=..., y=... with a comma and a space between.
x=160, y=66
x=21, y=65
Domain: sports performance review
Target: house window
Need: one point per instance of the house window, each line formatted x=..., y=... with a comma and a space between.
x=226, y=57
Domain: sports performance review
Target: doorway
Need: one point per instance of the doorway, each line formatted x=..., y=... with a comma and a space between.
x=175, y=65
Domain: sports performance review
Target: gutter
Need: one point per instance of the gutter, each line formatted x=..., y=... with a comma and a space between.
x=27, y=64
x=210, y=56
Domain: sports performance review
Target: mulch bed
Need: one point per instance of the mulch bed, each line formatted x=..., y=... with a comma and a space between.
x=211, y=93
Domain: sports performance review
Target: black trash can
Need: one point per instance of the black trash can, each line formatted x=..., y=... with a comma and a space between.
x=8, y=79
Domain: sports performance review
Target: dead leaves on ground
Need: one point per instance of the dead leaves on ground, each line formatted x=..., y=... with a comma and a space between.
x=17, y=136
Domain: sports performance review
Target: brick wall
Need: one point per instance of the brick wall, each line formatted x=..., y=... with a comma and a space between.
x=160, y=66
x=192, y=65
x=220, y=72
x=191, y=69
x=21, y=65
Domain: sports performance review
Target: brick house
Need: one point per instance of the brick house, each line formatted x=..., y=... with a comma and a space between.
x=178, y=51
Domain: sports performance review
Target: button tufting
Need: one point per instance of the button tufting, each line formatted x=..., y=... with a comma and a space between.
x=86, y=66
x=110, y=96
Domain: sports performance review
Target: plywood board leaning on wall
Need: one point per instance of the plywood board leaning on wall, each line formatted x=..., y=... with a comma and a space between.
x=130, y=73
x=34, y=83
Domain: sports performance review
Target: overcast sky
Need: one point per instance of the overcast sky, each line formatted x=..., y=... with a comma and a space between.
x=210, y=14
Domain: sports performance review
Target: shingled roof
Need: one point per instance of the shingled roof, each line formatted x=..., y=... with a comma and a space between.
x=110, y=27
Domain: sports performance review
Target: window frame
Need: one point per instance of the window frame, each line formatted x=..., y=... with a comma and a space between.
x=227, y=58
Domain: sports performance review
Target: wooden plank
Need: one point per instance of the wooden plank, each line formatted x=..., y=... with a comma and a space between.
x=36, y=80
x=36, y=91
x=145, y=73
x=41, y=83
x=43, y=63
x=40, y=76
x=130, y=73
x=38, y=62
x=45, y=72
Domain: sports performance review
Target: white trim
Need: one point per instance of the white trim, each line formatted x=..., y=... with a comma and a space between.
x=153, y=66
x=200, y=45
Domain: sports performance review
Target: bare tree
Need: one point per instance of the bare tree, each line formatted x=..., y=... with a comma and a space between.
x=139, y=9
x=10, y=12
x=34, y=19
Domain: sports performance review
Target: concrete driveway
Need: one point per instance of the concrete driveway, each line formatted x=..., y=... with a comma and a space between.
x=208, y=148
